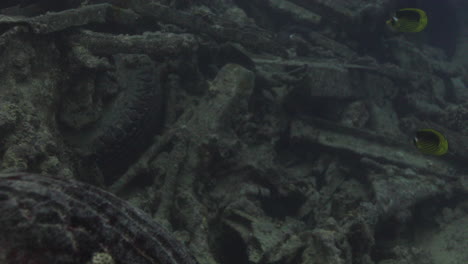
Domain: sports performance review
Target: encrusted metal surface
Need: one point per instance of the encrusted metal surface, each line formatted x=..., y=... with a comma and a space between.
x=52, y=220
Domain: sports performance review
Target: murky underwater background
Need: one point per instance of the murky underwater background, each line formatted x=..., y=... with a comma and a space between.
x=234, y=131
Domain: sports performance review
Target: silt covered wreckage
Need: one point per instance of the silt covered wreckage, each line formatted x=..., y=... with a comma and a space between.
x=217, y=131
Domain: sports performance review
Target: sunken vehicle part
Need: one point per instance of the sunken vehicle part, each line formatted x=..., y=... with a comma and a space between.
x=252, y=131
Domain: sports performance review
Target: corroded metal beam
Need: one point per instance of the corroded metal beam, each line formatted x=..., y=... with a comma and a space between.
x=367, y=144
